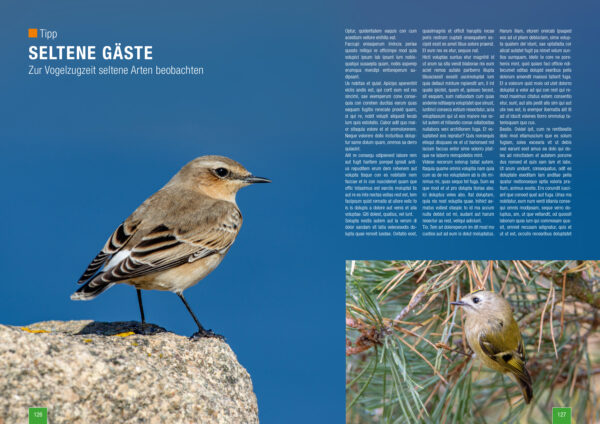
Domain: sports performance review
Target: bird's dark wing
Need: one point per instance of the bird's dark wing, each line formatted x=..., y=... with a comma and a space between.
x=512, y=360
x=170, y=244
x=114, y=243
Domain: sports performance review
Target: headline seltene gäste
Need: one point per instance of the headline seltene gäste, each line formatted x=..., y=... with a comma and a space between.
x=74, y=52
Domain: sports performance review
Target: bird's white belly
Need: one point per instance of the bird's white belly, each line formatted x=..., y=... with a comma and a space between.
x=180, y=278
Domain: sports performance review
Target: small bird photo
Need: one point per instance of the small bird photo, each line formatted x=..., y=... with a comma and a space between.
x=436, y=341
x=176, y=237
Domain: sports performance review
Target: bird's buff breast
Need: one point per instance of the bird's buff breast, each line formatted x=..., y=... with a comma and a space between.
x=180, y=278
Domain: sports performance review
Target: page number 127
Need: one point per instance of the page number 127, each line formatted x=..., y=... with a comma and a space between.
x=561, y=415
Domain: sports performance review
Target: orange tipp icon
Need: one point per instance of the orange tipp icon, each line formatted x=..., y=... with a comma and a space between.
x=32, y=32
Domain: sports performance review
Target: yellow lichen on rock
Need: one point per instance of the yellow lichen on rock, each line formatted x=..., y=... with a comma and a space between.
x=29, y=330
x=128, y=333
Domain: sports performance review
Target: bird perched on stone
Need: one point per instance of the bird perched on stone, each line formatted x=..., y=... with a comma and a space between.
x=493, y=334
x=176, y=237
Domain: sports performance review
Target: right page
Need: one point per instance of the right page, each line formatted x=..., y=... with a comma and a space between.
x=472, y=285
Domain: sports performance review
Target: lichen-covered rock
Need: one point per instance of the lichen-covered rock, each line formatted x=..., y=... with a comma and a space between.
x=91, y=372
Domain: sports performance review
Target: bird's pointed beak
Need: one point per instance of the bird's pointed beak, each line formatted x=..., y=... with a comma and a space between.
x=458, y=303
x=251, y=179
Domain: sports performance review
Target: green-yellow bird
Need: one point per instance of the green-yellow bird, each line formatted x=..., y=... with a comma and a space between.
x=493, y=334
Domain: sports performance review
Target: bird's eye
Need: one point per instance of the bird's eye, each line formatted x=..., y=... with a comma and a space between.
x=222, y=172
x=475, y=300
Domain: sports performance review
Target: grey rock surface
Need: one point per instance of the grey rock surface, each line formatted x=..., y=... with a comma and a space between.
x=93, y=372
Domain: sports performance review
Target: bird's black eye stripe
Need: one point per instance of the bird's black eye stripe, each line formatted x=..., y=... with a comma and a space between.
x=475, y=300
x=222, y=172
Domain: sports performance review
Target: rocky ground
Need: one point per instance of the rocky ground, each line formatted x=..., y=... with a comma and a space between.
x=92, y=372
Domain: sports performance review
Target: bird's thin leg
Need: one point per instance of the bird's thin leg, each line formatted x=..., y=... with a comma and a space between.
x=200, y=328
x=461, y=352
x=445, y=346
x=139, y=294
x=201, y=331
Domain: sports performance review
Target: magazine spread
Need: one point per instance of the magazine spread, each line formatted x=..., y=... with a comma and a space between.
x=196, y=194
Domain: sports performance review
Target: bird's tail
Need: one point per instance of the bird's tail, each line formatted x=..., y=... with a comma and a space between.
x=89, y=291
x=526, y=384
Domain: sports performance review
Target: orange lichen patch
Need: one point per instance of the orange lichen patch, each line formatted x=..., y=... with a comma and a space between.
x=29, y=330
x=87, y=341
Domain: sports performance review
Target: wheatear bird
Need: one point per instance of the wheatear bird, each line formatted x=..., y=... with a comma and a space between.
x=176, y=237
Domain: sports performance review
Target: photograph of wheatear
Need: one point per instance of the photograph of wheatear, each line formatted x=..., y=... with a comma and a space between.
x=176, y=237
